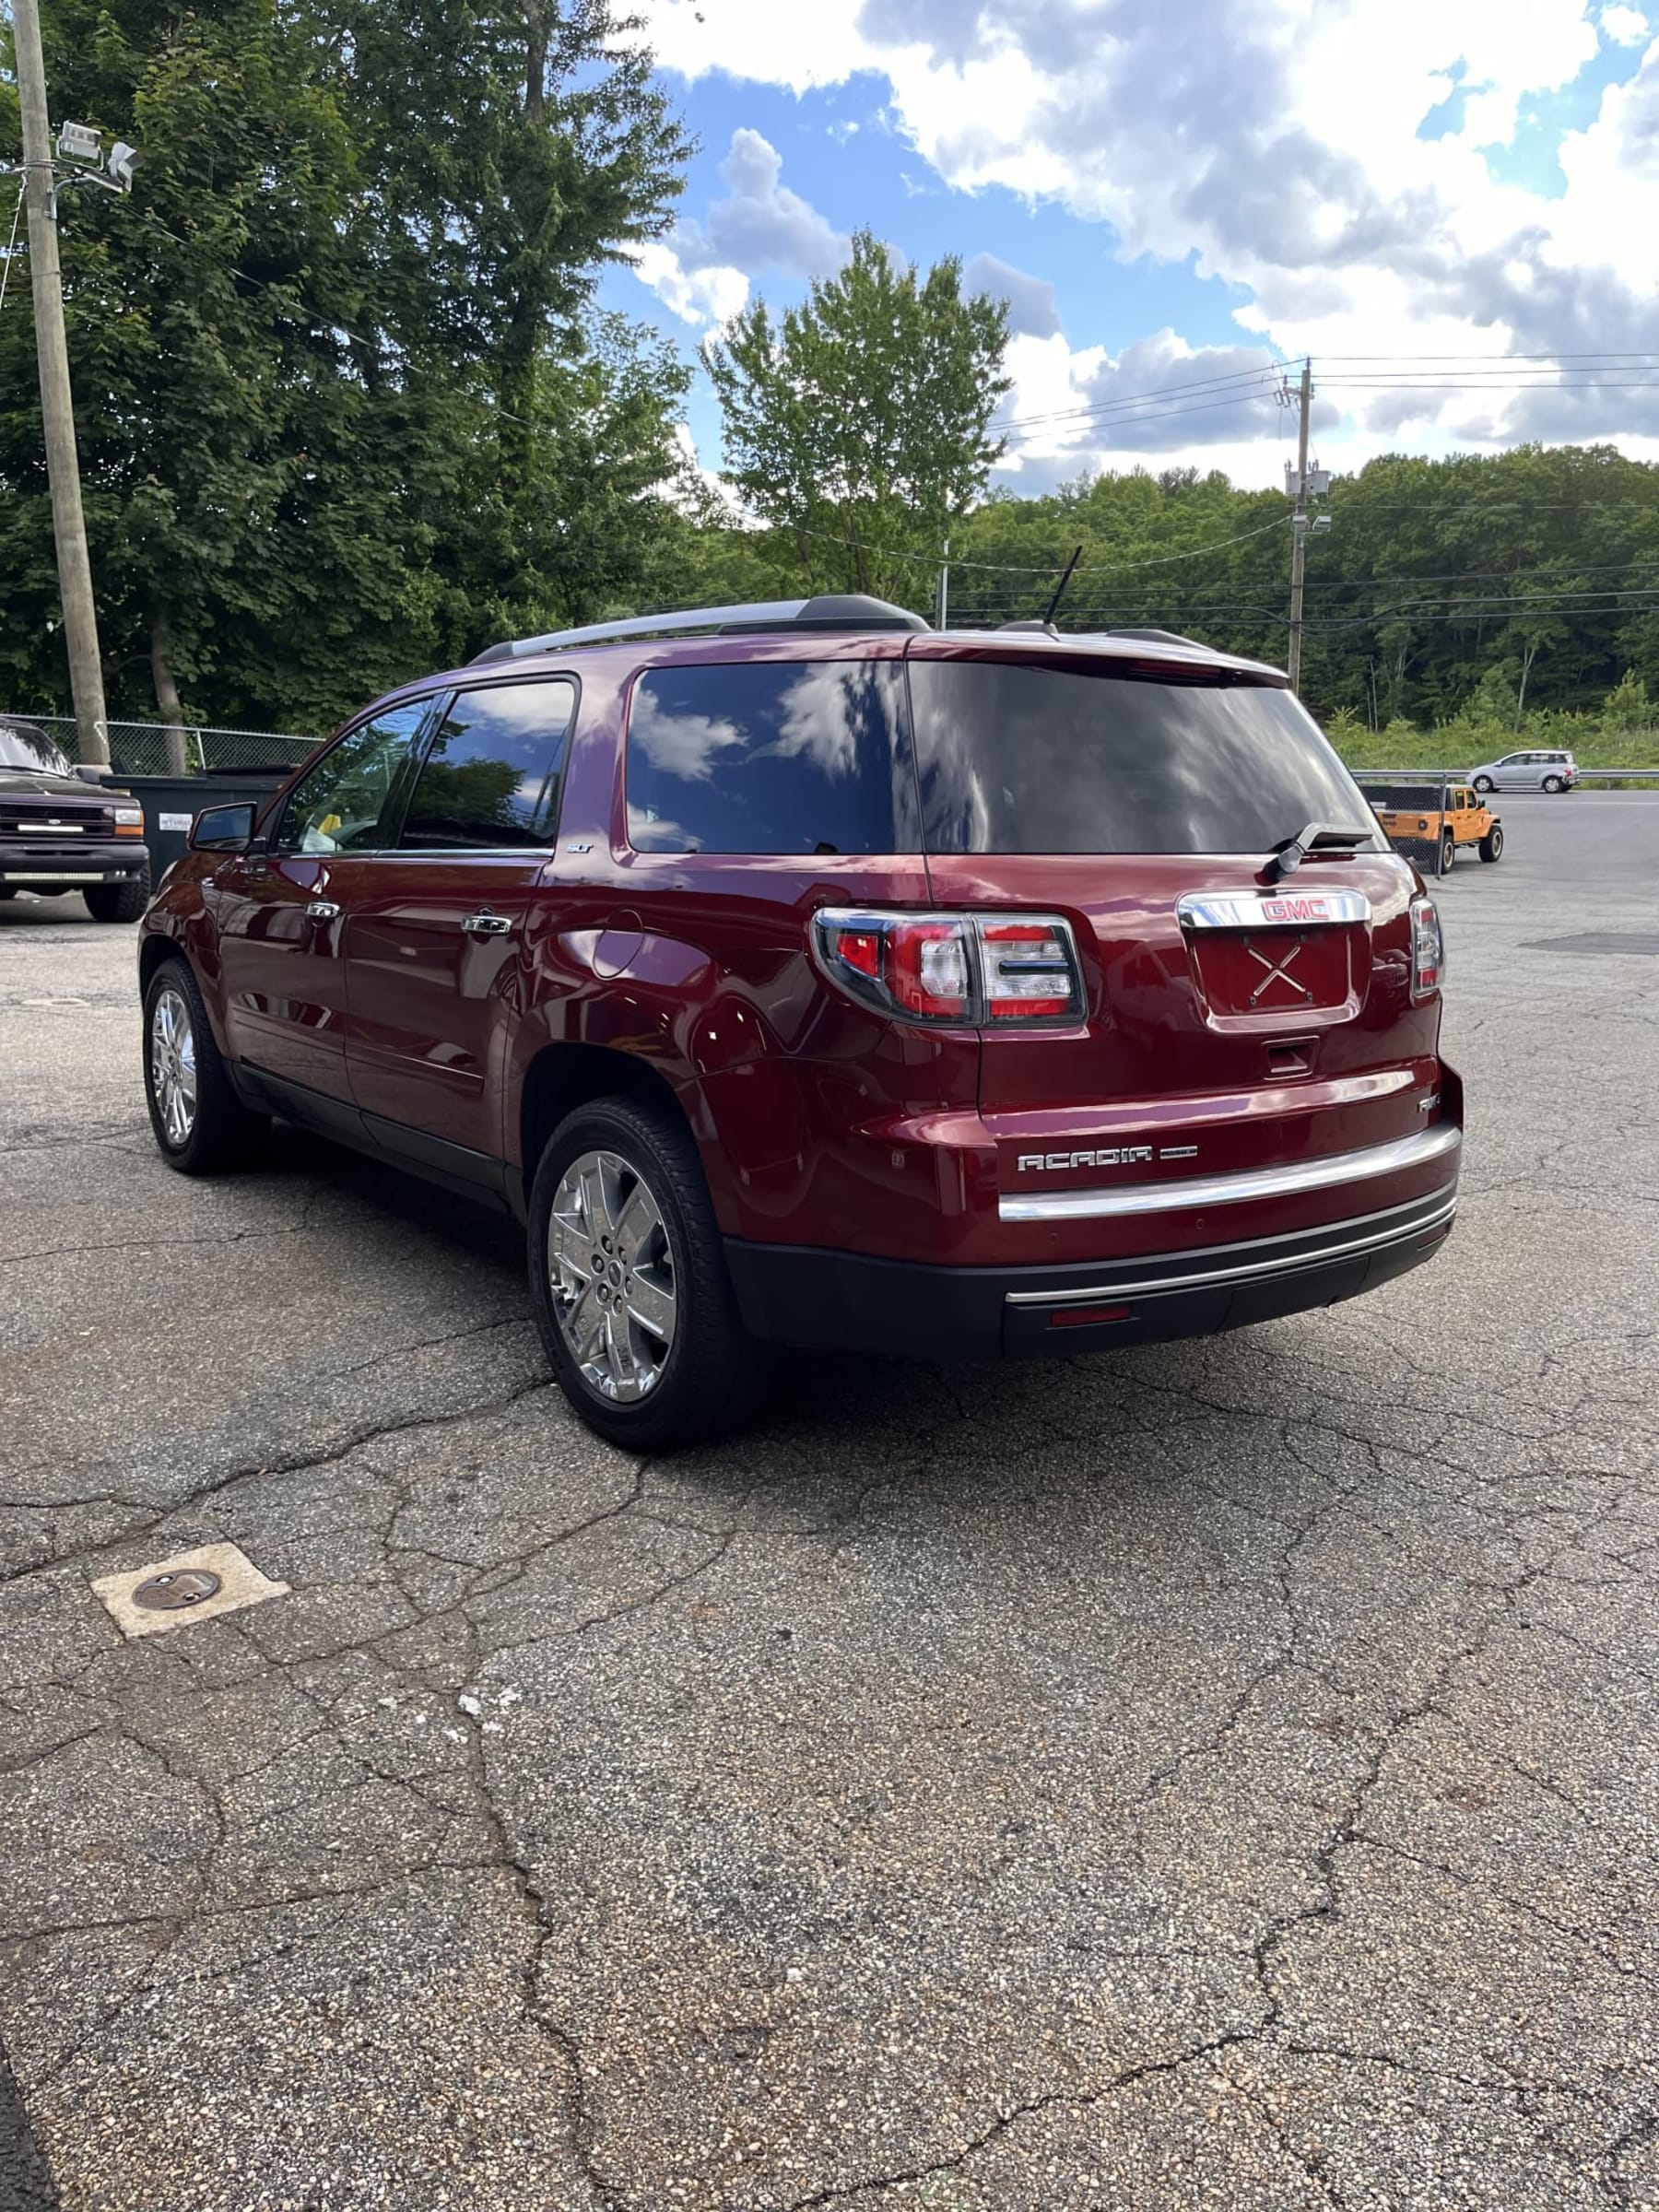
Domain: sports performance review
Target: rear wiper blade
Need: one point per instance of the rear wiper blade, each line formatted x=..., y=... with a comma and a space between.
x=1318, y=837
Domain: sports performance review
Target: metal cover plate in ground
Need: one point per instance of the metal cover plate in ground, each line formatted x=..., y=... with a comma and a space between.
x=1599, y=941
x=237, y=1580
x=172, y=1591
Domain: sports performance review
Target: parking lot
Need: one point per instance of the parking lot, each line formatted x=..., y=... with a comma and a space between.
x=1223, y=1774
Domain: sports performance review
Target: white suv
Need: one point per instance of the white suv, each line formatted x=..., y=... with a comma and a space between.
x=1527, y=772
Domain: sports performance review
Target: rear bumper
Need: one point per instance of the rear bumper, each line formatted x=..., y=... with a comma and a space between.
x=843, y=1301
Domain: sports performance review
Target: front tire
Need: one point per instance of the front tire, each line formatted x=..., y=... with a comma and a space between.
x=1491, y=844
x=200, y=1124
x=119, y=901
x=1485, y=783
x=630, y=1280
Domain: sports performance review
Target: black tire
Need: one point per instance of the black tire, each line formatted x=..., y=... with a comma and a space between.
x=713, y=1374
x=1552, y=783
x=119, y=901
x=1491, y=844
x=222, y=1133
x=1448, y=857
x=1484, y=784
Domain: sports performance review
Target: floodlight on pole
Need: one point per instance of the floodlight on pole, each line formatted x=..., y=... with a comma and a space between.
x=80, y=142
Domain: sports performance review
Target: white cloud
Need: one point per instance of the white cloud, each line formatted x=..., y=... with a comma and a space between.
x=700, y=296
x=1274, y=144
x=1623, y=26
x=701, y=270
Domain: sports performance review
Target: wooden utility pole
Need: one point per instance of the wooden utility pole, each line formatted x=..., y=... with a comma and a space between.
x=1299, y=529
x=57, y=407
x=1299, y=534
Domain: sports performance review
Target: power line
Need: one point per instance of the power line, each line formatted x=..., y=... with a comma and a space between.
x=1157, y=392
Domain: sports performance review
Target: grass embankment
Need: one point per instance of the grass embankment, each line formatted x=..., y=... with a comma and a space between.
x=1461, y=744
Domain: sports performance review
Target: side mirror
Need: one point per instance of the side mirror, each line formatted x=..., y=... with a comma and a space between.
x=222, y=829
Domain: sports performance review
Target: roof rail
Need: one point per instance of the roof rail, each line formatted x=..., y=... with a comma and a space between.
x=829, y=610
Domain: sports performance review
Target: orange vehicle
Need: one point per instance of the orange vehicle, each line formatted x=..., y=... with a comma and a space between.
x=1411, y=813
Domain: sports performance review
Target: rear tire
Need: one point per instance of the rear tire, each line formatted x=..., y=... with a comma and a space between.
x=1491, y=844
x=1552, y=783
x=200, y=1124
x=630, y=1281
x=119, y=901
x=1447, y=855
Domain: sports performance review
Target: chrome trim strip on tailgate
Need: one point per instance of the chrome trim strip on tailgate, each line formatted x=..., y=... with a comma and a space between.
x=1270, y=909
x=1249, y=1271
x=1183, y=1193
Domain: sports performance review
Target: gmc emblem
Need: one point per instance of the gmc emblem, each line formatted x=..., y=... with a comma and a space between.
x=1055, y=1163
x=1295, y=909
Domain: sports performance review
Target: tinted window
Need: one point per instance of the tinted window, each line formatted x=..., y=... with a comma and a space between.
x=345, y=803
x=771, y=757
x=491, y=779
x=1030, y=759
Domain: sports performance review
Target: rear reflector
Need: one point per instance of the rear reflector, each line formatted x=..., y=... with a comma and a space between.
x=1088, y=1317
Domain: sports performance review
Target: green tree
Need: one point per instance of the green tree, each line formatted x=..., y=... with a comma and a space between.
x=345, y=408
x=859, y=422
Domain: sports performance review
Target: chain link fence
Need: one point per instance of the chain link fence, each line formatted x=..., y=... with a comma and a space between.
x=157, y=748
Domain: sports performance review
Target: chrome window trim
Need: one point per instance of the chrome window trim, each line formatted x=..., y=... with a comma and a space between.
x=1250, y=909
x=1186, y=1192
x=1249, y=1271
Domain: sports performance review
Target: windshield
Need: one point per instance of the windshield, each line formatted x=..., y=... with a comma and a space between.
x=23, y=745
x=1015, y=756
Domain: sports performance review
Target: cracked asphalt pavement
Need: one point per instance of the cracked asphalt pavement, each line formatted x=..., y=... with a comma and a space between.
x=1221, y=1775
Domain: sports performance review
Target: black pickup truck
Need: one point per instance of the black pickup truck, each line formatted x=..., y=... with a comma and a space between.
x=59, y=834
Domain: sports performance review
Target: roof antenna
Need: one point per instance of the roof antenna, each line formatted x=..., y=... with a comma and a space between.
x=1048, y=612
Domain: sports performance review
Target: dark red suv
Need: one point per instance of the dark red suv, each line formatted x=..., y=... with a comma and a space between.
x=799, y=974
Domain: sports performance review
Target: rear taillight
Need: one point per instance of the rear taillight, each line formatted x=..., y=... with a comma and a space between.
x=1428, y=949
x=984, y=969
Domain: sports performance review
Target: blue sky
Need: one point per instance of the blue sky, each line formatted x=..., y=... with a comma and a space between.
x=1418, y=192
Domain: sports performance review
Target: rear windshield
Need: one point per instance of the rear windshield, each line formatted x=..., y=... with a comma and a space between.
x=1018, y=758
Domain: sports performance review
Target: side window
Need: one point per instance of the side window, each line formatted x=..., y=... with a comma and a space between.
x=771, y=757
x=490, y=781
x=345, y=803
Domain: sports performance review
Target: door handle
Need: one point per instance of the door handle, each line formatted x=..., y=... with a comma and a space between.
x=322, y=910
x=486, y=924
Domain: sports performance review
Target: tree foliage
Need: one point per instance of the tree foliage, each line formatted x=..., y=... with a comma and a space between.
x=346, y=410
x=1518, y=581
x=860, y=419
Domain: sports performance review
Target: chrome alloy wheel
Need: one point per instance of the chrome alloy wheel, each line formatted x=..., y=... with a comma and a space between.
x=611, y=1269
x=172, y=1065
